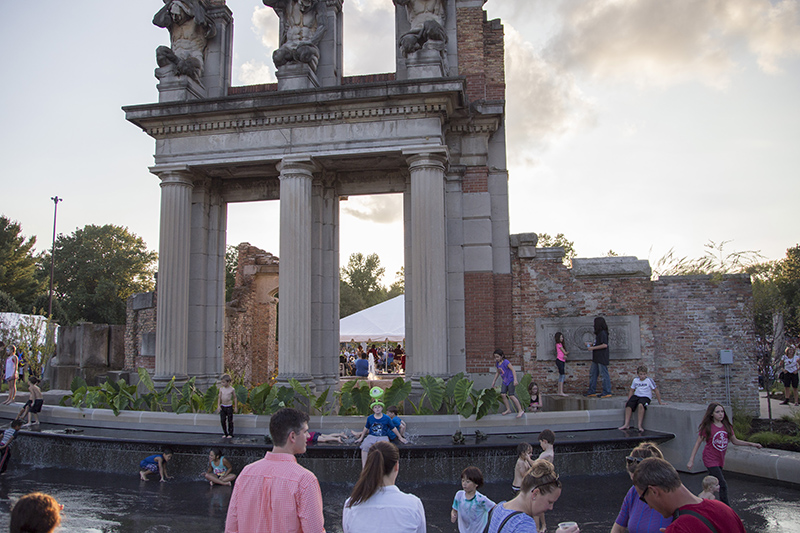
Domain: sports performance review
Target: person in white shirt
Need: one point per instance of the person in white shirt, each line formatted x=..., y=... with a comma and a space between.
x=791, y=363
x=376, y=504
x=639, y=397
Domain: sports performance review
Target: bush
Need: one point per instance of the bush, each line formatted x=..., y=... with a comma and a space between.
x=8, y=304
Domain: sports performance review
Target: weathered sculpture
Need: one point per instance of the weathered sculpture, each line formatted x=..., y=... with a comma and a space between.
x=302, y=28
x=426, y=18
x=190, y=30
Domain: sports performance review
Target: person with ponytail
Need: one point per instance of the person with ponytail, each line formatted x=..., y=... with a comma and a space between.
x=540, y=490
x=376, y=504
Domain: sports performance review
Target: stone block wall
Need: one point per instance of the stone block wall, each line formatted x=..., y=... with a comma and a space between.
x=140, y=332
x=683, y=323
x=251, y=317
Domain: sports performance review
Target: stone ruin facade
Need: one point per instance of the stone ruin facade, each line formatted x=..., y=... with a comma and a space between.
x=251, y=318
x=433, y=130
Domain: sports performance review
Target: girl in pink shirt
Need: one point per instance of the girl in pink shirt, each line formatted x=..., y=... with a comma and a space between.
x=716, y=430
x=561, y=361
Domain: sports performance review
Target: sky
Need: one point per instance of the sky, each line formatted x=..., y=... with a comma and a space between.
x=633, y=126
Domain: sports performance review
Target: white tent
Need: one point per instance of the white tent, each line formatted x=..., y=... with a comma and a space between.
x=377, y=323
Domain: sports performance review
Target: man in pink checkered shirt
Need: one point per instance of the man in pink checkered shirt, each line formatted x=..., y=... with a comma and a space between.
x=275, y=494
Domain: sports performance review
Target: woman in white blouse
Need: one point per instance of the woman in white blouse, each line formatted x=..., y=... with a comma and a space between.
x=376, y=503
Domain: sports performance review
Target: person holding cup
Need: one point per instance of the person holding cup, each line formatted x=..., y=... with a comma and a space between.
x=539, y=491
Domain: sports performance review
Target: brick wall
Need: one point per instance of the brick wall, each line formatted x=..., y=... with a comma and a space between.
x=683, y=323
x=140, y=320
x=251, y=348
x=480, y=54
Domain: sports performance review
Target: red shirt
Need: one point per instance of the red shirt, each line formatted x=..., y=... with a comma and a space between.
x=716, y=446
x=275, y=494
x=719, y=514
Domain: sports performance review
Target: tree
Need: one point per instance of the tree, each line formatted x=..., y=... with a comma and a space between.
x=18, y=264
x=399, y=286
x=359, y=284
x=546, y=241
x=96, y=269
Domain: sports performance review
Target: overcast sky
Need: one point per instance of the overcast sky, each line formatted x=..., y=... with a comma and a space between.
x=632, y=125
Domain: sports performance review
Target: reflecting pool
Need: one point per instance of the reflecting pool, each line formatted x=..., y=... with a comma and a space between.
x=123, y=504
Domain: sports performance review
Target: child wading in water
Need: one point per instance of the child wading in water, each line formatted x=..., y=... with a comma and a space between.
x=710, y=486
x=228, y=403
x=470, y=507
x=561, y=362
x=155, y=463
x=509, y=380
x=546, y=440
x=716, y=430
x=523, y=464
x=220, y=471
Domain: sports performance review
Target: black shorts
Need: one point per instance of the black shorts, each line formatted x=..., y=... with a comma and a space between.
x=635, y=401
x=561, y=367
x=37, y=406
x=791, y=380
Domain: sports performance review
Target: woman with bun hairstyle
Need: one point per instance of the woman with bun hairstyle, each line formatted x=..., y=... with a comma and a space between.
x=540, y=490
x=635, y=516
x=376, y=503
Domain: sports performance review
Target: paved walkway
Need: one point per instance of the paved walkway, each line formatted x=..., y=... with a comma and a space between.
x=778, y=410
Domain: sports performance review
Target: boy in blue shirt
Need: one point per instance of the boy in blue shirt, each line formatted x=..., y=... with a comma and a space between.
x=397, y=422
x=379, y=426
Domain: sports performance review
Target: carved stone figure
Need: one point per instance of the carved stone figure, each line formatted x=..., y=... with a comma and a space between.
x=302, y=29
x=427, y=24
x=189, y=29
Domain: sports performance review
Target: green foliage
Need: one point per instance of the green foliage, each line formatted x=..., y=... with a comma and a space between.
x=398, y=286
x=433, y=390
x=772, y=439
x=397, y=392
x=360, y=284
x=521, y=390
x=742, y=421
x=96, y=269
x=17, y=264
x=546, y=241
x=8, y=304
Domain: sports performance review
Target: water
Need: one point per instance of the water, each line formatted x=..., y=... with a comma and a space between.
x=114, y=503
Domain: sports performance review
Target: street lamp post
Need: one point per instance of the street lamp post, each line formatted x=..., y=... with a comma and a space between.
x=55, y=199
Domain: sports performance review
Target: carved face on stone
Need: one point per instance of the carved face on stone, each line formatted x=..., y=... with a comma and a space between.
x=305, y=5
x=179, y=12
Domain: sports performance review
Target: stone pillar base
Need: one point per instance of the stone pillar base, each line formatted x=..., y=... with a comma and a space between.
x=172, y=88
x=296, y=76
x=426, y=63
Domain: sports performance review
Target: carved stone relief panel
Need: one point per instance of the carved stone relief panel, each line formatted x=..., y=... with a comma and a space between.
x=624, y=338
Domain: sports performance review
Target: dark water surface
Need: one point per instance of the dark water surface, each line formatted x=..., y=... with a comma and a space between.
x=123, y=504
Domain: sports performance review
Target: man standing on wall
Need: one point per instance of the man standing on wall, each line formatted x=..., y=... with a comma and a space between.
x=275, y=493
x=660, y=487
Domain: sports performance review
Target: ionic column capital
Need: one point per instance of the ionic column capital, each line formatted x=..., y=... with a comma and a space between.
x=436, y=159
x=296, y=168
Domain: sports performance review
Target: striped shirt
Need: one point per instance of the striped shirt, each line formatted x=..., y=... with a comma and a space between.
x=275, y=495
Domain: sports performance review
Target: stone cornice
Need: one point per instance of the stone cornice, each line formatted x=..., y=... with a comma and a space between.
x=187, y=125
x=475, y=125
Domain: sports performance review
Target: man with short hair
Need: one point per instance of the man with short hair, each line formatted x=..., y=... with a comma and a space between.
x=660, y=487
x=275, y=494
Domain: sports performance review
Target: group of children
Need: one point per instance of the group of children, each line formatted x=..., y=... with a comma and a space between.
x=471, y=508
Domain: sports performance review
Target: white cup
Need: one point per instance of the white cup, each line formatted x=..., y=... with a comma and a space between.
x=566, y=526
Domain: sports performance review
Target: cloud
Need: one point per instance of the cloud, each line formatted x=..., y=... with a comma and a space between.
x=544, y=101
x=256, y=72
x=381, y=209
x=657, y=42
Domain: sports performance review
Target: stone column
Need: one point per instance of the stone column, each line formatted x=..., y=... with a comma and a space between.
x=294, y=300
x=173, y=275
x=428, y=348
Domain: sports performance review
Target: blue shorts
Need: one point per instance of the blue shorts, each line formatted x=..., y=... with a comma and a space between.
x=508, y=389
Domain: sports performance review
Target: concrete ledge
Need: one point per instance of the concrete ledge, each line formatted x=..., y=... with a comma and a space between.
x=772, y=464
